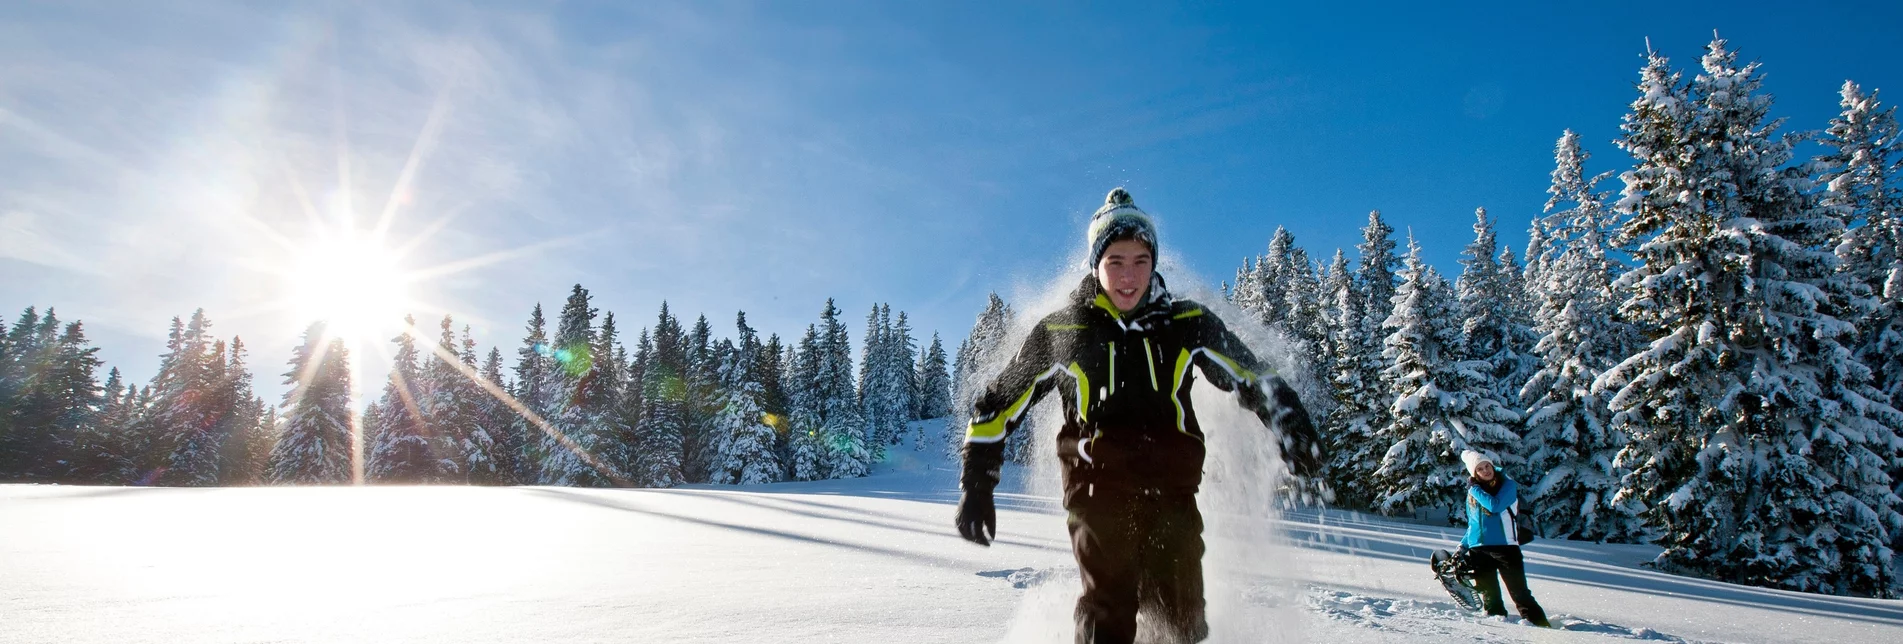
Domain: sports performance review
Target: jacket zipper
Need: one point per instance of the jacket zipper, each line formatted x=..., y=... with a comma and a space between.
x=1150, y=358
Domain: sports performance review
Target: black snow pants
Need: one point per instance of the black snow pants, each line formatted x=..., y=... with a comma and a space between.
x=1137, y=550
x=1510, y=566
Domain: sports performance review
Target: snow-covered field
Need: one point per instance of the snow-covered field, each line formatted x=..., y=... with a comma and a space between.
x=865, y=560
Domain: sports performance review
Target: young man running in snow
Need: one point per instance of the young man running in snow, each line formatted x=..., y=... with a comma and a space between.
x=1120, y=353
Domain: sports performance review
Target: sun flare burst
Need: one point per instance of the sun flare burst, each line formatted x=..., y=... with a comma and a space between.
x=352, y=283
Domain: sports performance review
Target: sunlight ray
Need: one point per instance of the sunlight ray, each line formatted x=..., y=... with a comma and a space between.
x=408, y=399
x=425, y=141
x=529, y=415
x=491, y=258
x=311, y=214
x=361, y=395
x=309, y=371
x=429, y=231
x=341, y=131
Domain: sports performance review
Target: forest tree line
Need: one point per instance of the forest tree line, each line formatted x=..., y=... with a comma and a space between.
x=577, y=407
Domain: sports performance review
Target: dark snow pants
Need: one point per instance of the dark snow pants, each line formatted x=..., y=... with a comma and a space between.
x=1510, y=566
x=1137, y=550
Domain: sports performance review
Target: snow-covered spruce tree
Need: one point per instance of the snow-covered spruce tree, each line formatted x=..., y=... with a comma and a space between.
x=12, y=375
x=578, y=455
x=187, y=404
x=631, y=409
x=934, y=384
x=495, y=448
x=746, y=440
x=1749, y=434
x=315, y=446
x=842, y=428
x=1442, y=405
x=1247, y=293
x=1538, y=253
x=475, y=451
x=1664, y=396
x=96, y=455
x=237, y=421
x=405, y=451
x=1375, y=276
x=370, y=425
x=1346, y=428
x=124, y=433
x=70, y=386
x=1860, y=173
x=537, y=389
x=451, y=408
x=1521, y=336
x=600, y=392
x=771, y=368
x=885, y=378
x=659, y=461
x=1568, y=432
x=805, y=459
x=1360, y=303
x=901, y=353
x=1307, y=325
x=702, y=369
x=141, y=435
x=871, y=381
x=264, y=439
x=1486, y=304
x=980, y=357
x=31, y=448
x=574, y=356
x=998, y=322
x=871, y=394
x=1273, y=276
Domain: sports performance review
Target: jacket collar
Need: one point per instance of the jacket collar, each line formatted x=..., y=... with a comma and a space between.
x=1090, y=295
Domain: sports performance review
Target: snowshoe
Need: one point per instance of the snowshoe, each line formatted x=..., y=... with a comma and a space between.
x=1457, y=577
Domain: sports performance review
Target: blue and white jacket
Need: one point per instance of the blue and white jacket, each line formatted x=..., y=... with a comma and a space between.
x=1488, y=520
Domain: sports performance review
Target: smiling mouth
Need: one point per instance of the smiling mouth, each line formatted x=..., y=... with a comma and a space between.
x=1127, y=292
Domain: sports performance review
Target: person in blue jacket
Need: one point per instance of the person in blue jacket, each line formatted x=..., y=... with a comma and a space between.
x=1493, y=547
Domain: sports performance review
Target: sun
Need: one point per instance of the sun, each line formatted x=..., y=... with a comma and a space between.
x=352, y=283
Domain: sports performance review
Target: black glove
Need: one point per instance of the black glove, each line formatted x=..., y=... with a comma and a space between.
x=1299, y=447
x=977, y=517
x=1282, y=411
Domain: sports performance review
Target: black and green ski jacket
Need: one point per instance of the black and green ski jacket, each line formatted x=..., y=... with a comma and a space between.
x=1125, y=380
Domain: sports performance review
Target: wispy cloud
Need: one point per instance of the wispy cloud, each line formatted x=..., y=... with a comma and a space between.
x=22, y=237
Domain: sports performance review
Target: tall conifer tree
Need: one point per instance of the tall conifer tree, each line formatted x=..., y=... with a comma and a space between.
x=1569, y=434
x=1750, y=427
x=406, y=450
x=1442, y=405
x=315, y=446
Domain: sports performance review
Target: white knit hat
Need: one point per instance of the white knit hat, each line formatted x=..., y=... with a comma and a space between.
x=1473, y=459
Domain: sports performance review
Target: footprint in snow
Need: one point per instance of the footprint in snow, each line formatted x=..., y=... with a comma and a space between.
x=1022, y=577
x=1375, y=611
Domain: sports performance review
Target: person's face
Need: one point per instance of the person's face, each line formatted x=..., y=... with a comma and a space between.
x=1484, y=471
x=1124, y=272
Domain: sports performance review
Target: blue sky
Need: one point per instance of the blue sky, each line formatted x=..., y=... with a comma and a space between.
x=726, y=156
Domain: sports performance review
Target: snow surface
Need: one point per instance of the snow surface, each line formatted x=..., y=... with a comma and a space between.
x=864, y=560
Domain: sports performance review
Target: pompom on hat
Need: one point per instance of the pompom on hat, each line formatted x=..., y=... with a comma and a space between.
x=1473, y=460
x=1119, y=218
